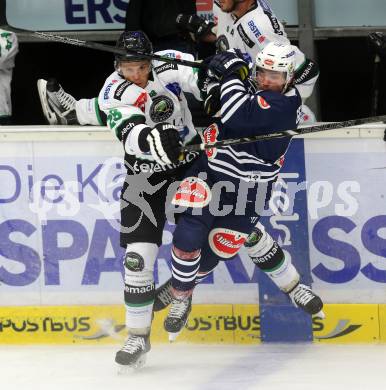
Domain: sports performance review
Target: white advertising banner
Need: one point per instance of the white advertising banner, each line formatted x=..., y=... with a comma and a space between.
x=59, y=228
x=59, y=234
x=347, y=218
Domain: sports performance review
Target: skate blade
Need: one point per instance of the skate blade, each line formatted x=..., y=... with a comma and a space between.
x=130, y=368
x=48, y=113
x=173, y=336
x=320, y=315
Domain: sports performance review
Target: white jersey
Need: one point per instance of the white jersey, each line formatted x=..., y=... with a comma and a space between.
x=162, y=100
x=252, y=32
x=8, y=51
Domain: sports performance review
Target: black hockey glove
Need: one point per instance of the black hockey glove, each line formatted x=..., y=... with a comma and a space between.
x=212, y=104
x=227, y=63
x=194, y=24
x=378, y=43
x=164, y=142
x=209, y=88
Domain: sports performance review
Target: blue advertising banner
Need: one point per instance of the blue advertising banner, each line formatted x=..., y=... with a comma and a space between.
x=289, y=226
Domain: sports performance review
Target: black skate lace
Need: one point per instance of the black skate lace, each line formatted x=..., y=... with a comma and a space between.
x=133, y=344
x=179, y=307
x=165, y=295
x=303, y=295
x=66, y=100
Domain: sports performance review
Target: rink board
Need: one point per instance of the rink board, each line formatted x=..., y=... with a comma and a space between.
x=59, y=229
x=382, y=322
x=208, y=324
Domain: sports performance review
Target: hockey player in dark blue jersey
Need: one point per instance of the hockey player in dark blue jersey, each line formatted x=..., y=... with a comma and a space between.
x=227, y=188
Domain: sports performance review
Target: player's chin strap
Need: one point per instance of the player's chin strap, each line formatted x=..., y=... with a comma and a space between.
x=286, y=133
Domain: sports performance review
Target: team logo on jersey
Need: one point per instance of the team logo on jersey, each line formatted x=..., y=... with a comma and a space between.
x=262, y=103
x=209, y=136
x=226, y=242
x=141, y=101
x=161, y=109
x=192, y=192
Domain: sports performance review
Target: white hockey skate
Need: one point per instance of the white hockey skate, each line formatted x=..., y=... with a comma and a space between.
x=133, y=354
x=303, y=297
x=58, y=106
x=177, y=317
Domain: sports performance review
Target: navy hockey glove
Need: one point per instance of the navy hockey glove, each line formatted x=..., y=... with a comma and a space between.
x=212, y=104
x=227, y=63
x=194, y=24
x=165, y=143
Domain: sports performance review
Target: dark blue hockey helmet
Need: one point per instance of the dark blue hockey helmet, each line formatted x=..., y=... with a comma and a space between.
x=136, y=43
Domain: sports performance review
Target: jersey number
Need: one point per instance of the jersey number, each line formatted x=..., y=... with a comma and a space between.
x=113, y=117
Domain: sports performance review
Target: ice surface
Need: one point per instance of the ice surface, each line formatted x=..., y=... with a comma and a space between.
x=188, y=367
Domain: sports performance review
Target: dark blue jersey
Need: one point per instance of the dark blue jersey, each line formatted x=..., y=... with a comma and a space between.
x=245, y=114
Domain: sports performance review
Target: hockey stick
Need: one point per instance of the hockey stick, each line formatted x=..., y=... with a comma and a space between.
x=91, y=45
x=286, y=133
x=103, y=47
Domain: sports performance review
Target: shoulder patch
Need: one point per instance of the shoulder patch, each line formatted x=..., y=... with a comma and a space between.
x=306, y=72
x=274, y=23
x=165, y=67
x=141, y=101
x=262, y=103
x=121, y=89
x=245, y=37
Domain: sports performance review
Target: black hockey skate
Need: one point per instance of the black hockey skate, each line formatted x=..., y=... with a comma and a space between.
x=58, y=106
x=163, y=296
x=178, y=316
x=133, y=353
x=303, y=297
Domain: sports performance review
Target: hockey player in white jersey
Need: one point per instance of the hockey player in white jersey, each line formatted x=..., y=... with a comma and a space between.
x=228, y=13
x=247, y=25
x=146, y=108
x=8, y=51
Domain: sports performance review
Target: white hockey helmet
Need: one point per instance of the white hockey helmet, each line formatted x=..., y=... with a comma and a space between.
x=278, y=57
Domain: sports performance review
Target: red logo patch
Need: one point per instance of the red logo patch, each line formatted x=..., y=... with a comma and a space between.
x=225, y=242
x=262, y=103
x=141, y=101
x=204, y=5
x=280, y=161
x=210, y=136
x=192, y=192
x=269, y=62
